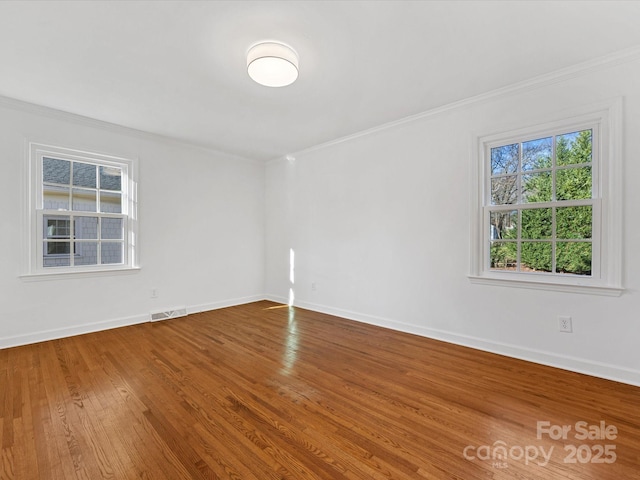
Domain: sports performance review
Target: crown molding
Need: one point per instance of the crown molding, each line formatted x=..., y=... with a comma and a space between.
x=42, y=110
x=607, y=61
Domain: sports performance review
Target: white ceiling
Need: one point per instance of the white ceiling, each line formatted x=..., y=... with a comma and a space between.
x=178, y=68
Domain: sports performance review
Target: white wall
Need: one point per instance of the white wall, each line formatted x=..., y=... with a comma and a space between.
x=380, y=224
x=201, y=231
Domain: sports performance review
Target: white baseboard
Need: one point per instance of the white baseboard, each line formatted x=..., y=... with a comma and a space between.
x=565, y=362
x=579, y=365
x=56, y=333
x=53, y=334
x=205, y=307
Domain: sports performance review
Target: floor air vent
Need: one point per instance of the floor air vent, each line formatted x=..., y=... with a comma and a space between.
x=167, y=314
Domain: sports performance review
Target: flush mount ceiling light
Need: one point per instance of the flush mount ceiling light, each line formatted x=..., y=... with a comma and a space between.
x=272, y=64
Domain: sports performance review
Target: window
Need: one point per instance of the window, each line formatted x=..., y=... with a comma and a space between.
x=541, y=205
x=548, y=207
x=82, y=216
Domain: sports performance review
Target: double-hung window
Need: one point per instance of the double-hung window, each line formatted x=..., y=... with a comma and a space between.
x=548, y=204
x=82, y=214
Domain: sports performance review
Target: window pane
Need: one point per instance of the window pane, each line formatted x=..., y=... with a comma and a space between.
x=110, y=202
x=503, y=255
x=573, y=258
x=111, y=178
x=56, y=171
x=83, y=200
x=505, y=159
x=536, y=223
x=504, y=190
x=86, y=228
x=56, y=254
x=536, y=187
x=86, y=253
x=84, y=175
x=58, y=248
x=536, y=154
x=56, y=227
x=535, y=257
x=112, y=228
x=112, y=252
x=574, y=222
x=504, y=225
x=55, y=197
x=573, y=183
x=56, y=251
x=574, y=148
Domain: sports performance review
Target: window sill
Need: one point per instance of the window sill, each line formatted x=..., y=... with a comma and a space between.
x=57, y=275
x=546, y=285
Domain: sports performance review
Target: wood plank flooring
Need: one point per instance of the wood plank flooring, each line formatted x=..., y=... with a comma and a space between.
x=262, y=391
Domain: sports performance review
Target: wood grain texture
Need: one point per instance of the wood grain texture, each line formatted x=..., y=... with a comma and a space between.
x=263, y=391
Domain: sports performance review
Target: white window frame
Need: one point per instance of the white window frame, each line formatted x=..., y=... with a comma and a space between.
x=606, y=278
x=34, y=212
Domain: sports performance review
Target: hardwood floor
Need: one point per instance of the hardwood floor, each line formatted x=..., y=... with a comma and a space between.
x=262, y=391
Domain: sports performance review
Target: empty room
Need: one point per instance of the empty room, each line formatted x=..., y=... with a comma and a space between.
x=328, y=240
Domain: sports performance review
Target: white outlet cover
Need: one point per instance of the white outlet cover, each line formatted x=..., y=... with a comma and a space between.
x=564, y=324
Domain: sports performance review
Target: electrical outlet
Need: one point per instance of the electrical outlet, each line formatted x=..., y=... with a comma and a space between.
x=564, y=324
x=154, y=293
x=313, y=286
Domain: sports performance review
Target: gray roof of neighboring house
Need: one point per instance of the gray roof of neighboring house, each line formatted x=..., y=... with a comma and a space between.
x=84, y=174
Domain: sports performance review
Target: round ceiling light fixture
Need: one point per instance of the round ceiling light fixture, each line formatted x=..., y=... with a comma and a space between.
x=272, y=64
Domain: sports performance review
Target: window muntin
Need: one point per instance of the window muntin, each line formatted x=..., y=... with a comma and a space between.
x=540, y=204
x=83, y=216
